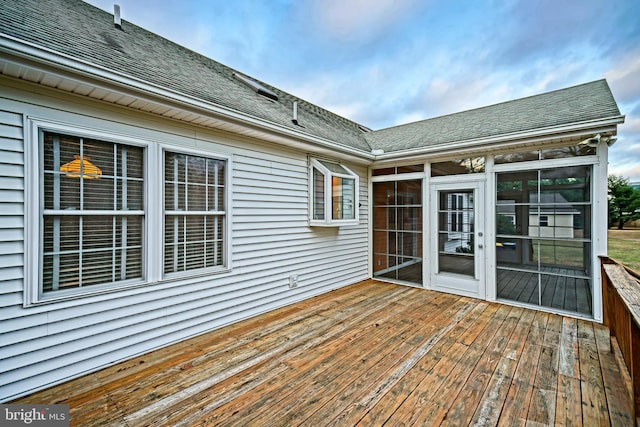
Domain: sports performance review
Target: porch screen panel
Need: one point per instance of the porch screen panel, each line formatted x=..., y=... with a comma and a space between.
x=397, y=230
x=543, y=238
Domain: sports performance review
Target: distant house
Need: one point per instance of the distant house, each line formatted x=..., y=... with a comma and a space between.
x=149, y=194
x=550, y=215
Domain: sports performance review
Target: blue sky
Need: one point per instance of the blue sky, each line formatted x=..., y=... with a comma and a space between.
x=388, y=62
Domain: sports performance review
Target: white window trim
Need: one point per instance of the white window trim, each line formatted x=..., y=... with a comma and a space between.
x=328, y=220
x=152, y=272
x=226, y=264
x=546, y=164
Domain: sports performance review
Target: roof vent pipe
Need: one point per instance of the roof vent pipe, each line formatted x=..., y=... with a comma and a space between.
x=116, y=16
x=295, y=113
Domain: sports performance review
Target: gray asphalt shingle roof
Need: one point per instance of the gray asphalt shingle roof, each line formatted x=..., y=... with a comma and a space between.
x=584, y=102
x=86, y=33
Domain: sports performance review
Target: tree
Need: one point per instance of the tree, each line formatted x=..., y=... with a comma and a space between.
x=624, y=201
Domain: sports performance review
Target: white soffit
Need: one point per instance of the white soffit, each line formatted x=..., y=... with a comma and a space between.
x=94, y=85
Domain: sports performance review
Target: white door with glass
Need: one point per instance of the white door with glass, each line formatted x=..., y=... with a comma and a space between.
x=457, y=238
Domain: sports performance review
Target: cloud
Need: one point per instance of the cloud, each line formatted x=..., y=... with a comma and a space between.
x=624, y=78
x=549, y=28
x=622, y=163
x=631, y=125
x=358, y=21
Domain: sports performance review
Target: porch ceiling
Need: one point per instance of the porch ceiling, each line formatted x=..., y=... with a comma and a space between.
x=367, y=354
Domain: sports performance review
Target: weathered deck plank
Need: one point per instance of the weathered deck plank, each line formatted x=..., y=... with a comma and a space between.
x=542, y=407
x=368, y=354
x=594, y=402
x=468, y=399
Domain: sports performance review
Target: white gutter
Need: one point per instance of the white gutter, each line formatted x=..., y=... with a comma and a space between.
x=48, y=57
x=154, y=93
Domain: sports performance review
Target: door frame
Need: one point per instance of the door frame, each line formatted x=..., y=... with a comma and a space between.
x=450, y=282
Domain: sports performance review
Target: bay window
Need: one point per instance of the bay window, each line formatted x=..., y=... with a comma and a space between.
x=334, y=194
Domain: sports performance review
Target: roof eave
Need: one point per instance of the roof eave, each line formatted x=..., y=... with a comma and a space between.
x=47, y=61
x=536, y=137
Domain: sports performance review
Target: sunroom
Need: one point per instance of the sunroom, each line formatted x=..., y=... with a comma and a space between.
x=516, y=226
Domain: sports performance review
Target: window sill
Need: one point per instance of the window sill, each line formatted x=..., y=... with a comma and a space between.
x=344, y=223
x=101, y=292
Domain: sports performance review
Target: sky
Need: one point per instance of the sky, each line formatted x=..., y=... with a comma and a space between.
x=383, y=63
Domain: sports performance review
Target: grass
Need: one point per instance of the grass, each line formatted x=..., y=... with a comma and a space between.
x=560, y=253
x=624, y=247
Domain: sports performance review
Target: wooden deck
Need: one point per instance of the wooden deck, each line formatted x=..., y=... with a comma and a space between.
x=369, y=354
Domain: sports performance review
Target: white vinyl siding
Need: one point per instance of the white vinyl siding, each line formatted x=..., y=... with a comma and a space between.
x=269, y=239
x=271, y=217
x=11, y=209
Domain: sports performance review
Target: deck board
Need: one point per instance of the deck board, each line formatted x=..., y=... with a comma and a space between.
x=368, y=354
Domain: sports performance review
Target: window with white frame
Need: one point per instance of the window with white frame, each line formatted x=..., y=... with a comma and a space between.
x=93, y=212
x=334, y=194
x=194, y=217
x=95, y=208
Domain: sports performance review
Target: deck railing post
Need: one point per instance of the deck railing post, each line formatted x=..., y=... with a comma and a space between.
x=606, y=293
x=635, y=367
x=621, y=313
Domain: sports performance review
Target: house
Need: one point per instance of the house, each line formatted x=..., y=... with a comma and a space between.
x=150, y=194
x=552, y=217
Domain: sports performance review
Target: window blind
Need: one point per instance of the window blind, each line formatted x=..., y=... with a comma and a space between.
x=93, y=212
x=194, y=203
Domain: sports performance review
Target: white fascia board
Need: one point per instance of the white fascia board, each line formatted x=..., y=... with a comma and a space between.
x=71, y=68
x=505, y=141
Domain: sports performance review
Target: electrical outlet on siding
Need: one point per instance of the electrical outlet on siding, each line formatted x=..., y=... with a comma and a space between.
x=293, y=281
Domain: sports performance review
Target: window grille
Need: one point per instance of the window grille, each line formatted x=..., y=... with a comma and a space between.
x=194, y=203
x=92, y=212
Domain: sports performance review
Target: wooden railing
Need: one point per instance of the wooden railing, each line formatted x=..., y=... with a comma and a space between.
x=621, y=313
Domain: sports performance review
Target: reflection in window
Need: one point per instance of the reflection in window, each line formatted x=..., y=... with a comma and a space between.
x=458, y=167
x=547, y=153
